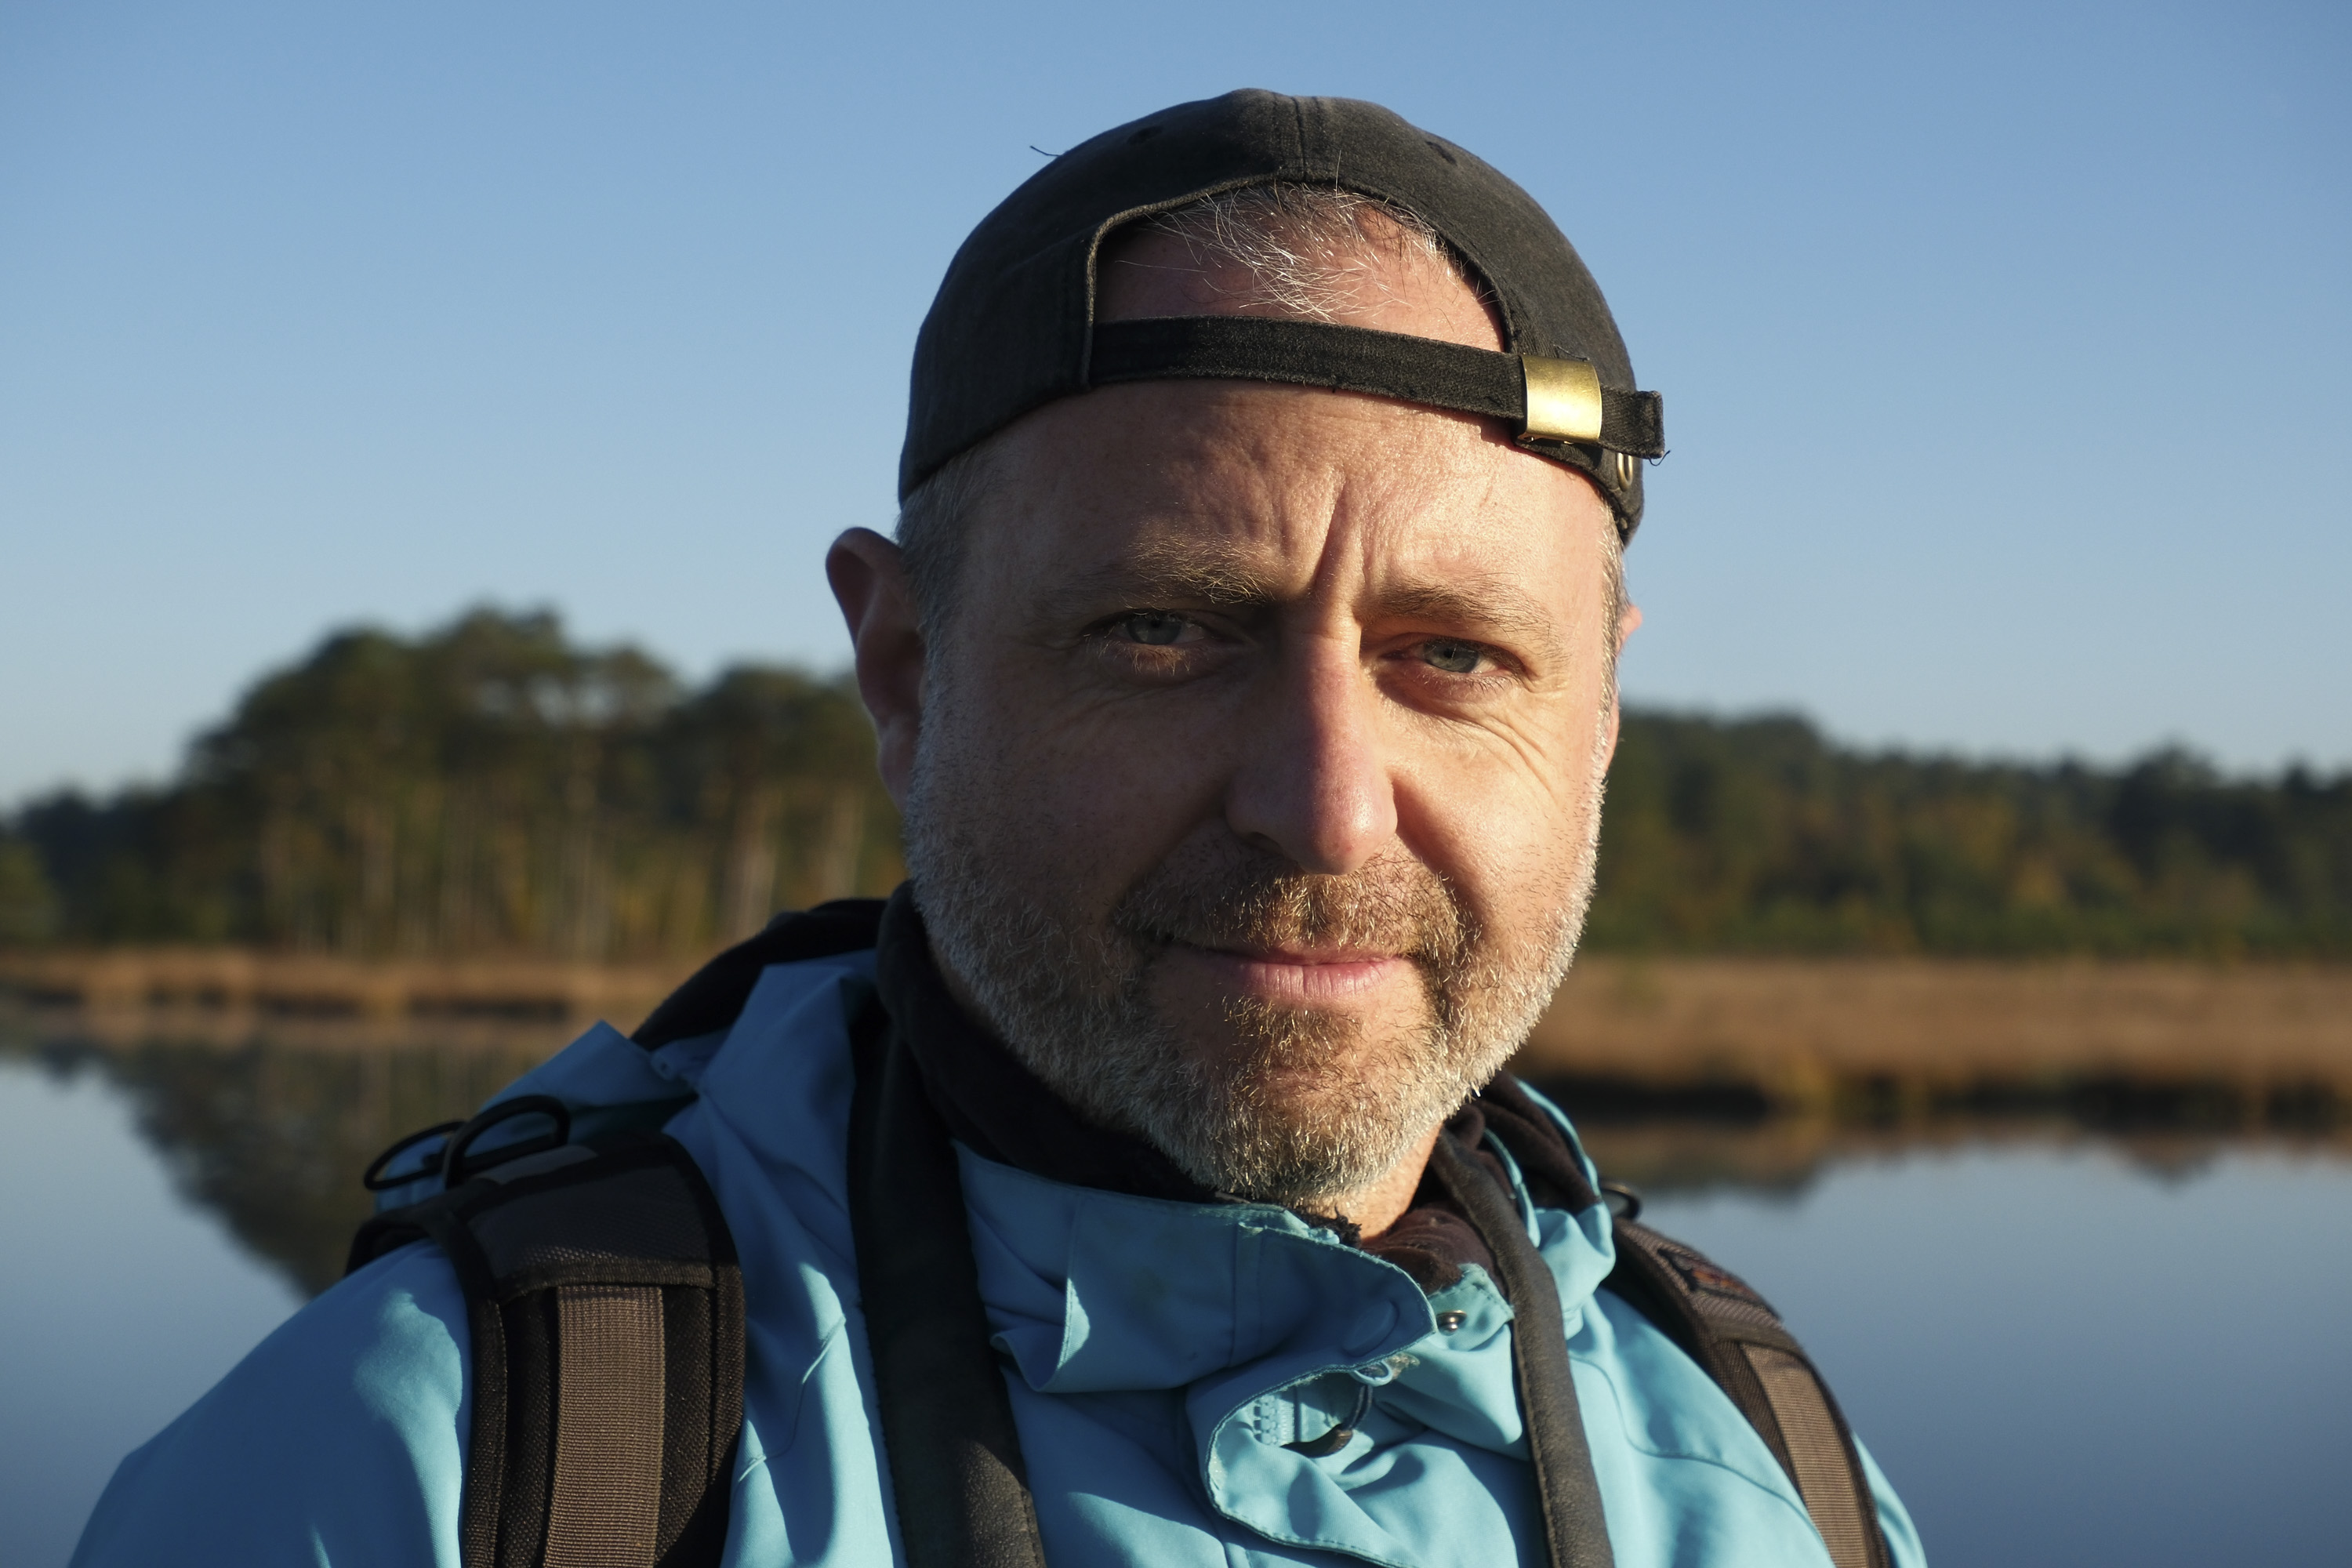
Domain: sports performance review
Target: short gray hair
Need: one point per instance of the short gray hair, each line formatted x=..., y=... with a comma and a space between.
x=934, y=522
x=1303, y=248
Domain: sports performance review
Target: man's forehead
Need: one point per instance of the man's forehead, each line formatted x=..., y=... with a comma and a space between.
x=1247, y=491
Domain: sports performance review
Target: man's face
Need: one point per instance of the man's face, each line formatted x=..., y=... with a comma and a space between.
x=1257, y=766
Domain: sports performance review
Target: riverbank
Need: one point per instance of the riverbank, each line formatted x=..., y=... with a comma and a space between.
x=211, y=990
x=1854, y=1039
x=273, y=1080
x=1864, y=1039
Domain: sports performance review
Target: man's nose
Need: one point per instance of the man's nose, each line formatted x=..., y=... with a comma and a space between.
x=1312, y=784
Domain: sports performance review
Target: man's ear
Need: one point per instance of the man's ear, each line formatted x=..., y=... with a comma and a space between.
x=1629, y=621
x=870, y=582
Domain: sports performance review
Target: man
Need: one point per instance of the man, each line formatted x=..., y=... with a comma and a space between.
x=1137, y=1186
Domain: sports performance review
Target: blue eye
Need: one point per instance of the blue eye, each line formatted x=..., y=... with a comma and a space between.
x=1154, y=628
x=1453, y=657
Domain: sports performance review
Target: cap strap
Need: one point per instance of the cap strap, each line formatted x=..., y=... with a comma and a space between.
x=1544, y=399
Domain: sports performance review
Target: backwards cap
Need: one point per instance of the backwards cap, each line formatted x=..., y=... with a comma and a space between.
x=1014, y=325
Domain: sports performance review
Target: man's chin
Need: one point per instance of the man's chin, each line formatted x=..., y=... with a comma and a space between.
x=1274, y=1140
x=1286, y=1105
x=1310, y=1078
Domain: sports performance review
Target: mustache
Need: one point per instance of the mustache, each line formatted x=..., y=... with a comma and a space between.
x=1234, y=897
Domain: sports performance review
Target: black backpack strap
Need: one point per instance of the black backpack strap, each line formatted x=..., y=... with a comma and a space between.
x=714, y=995
x=1566, y=1489
x=606, y=1311
x=1739, y=1340
x=956, y=1470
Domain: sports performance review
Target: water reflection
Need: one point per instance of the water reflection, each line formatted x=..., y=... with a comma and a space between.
x=1787, y=1155
x=270, y=1128
x=2062, y=1355
x=2071, y=1336
x=268, y=1124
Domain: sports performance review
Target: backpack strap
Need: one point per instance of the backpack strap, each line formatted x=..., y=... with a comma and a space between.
x=604, y=1302
x=1568, y=1494
x=1736, y=1336
x=606, y=1311
x=956, y=1470
x=714, y=995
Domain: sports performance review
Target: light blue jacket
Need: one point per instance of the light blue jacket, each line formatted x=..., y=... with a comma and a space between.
x=1162, y=1355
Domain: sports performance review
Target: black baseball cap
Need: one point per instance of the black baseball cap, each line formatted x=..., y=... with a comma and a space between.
x=1013, y=328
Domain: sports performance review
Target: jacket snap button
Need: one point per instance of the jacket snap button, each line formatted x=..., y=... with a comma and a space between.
x=1449, y=1321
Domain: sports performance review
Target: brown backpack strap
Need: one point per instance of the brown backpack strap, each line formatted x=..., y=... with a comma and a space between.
x=606, y=1311
x=1734, y=1333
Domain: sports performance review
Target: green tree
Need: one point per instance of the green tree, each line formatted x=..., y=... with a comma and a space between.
x=28, y=904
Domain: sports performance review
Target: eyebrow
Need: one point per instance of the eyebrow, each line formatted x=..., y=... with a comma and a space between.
x=1476, y=605
x=1160, y=575
x=1486, y=606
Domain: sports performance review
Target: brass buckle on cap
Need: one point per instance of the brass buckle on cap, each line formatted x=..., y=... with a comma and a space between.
x=1563, y=399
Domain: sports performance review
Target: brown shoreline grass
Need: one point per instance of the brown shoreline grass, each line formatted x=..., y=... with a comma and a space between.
x=1796, y=1028
x=126, y=982
x=1794, y=1033
x=1680, y=1072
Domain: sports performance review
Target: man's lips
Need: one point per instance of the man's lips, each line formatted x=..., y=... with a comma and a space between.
x=1293, y=977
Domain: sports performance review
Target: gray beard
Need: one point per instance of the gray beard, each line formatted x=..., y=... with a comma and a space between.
x=1073, y=1002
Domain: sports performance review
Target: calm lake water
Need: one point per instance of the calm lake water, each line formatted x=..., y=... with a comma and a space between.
x=2064, y=1349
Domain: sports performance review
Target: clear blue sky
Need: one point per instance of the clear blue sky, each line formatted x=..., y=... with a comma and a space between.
x=2005, y=345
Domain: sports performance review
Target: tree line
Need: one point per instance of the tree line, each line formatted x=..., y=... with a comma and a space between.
x=1759, y=836
x=487, y=788
x=491, y=787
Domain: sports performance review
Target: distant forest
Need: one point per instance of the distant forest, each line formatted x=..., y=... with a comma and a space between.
x=493, y=788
